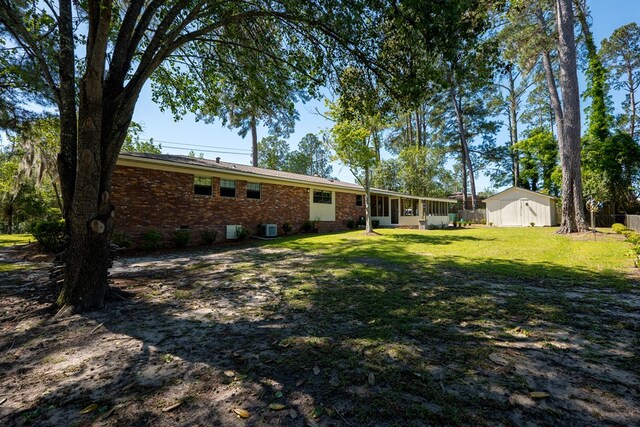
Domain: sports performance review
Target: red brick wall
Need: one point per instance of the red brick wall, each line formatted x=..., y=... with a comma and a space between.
x=147, y=199
x=345, y=209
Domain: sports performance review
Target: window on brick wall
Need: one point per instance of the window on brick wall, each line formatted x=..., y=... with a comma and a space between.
x=358, y=199
x=253, y=190
x=227, y=188
x=203, y=185
x=323, y=197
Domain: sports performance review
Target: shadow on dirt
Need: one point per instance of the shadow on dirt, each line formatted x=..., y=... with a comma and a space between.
x=355, y=336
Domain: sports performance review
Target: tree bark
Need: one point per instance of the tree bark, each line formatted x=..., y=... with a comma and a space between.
x=571, y=107
x=572, y=218
x=87, y=252
x=467, y=165
x=632, y=101
x=254, y=141
x=367, y=200
x=513, y=127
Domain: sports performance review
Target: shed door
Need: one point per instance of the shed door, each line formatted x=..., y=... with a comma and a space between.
x=528, y=212
x=509, y=212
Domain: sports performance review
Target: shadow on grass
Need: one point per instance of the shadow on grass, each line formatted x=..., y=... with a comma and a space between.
x=368, y=336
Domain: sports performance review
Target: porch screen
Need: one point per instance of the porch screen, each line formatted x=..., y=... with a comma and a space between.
x=409, y=207
x=379, y=206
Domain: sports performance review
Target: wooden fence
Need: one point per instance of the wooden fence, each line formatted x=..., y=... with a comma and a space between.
x=633, y=222
x=478, y=216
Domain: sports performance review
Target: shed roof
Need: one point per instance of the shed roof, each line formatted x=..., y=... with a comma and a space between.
x=524, y=190
x=246, y=170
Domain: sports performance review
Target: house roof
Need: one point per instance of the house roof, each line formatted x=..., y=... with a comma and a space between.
x=246, y=170
x=519, y=189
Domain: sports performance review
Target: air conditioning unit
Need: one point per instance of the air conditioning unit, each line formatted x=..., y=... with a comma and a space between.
x=269, y=230
x=232, y=231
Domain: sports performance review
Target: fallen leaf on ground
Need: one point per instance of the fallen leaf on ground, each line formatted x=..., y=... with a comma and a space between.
x=230, y=373
x=278, y=394
x=89, y=408
x=316, y=370
x=299, y=383
x=4, y=399
x=171, y=407
x=372, y=378
x=335, y=379
x=317, y=412
x=293, y=413
x=242, y=413
x=498, y=360
x=538, y=394
x=312, y=423
x=276, y=406
x=109, y=412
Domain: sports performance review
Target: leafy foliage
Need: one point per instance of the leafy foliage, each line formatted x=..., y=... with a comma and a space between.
x=311, y=158
x=133, y=143
x=49, y=234
x=151, y=239
x=539, y=164
x=273, y=153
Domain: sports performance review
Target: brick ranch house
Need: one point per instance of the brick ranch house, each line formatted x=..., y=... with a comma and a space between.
x=164, y=193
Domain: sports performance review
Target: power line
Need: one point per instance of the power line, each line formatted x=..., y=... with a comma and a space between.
x=206, y=151
x=193, y=145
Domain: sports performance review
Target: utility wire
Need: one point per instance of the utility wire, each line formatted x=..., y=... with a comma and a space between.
x=206, y=151
x=192, y=145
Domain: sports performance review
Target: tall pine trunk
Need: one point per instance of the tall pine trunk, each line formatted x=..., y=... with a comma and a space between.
x=571, y=105
x=367, y=200
x=254, y=141
x=467, y=165
x=567, y=124
x=513, y=127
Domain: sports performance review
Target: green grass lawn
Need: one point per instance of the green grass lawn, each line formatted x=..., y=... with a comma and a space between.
x=519, y=253
x=15, y=239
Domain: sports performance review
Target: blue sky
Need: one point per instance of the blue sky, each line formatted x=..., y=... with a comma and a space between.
x=213, y=140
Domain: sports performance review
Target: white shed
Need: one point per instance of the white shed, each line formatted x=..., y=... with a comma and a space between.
x=518, y=207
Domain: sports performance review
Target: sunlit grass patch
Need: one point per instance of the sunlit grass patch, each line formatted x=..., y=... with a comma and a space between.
x=15, y=239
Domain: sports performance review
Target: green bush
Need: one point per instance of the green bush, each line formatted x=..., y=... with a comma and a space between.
x=151, y=239
x=627, y=232
x=375, y=223
x=181, y=238
x=242, y=233
x=633, y=238
x=286, y=227
x=350, y=224
x=120, y=239
x=309, y=226
x=209, y=236
x=618, y=228
x=49, y=234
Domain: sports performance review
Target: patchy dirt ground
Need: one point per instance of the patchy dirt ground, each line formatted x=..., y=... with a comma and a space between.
x=264, y=336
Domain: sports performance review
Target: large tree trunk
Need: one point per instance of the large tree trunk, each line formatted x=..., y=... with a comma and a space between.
x=571, y=106
x=254, y=141
x=513, y=127
x=367, y=201
x=572, y=219
x=88, y=213
x=467, y=165
x=632, y=101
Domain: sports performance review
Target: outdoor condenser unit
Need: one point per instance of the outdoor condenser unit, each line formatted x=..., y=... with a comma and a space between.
x=269, y=230
x=232, y=231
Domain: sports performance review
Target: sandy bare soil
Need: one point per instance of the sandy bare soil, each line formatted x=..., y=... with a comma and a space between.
x=254, y=336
